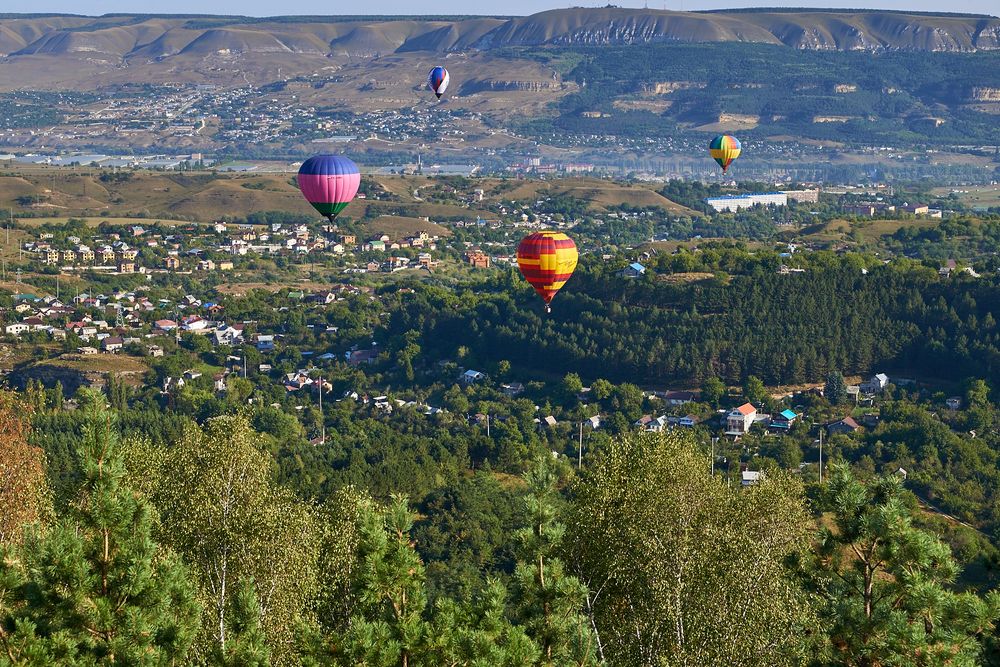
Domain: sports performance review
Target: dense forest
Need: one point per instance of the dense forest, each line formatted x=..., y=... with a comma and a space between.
x=190, y=550
x=846, y=314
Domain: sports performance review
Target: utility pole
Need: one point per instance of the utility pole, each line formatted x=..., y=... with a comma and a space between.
x=714, y=440
x=579, y=461
x=487, y=425
x=322, y=421
x=820, y=454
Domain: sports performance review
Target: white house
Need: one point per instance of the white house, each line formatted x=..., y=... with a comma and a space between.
x=739, y=420
x=751, y=477
x=17, y=328
x=228, y=335
x=876, y=385
x=471, y=377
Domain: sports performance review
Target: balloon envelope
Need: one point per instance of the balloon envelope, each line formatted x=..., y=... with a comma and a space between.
x=438, y=80
x=329, y=183
x=724, y=149
x=547, y=260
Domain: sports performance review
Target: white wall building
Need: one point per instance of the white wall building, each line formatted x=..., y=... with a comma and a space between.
x=734, y=203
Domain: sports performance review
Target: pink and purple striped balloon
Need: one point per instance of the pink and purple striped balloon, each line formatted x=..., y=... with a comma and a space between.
x=329, y=183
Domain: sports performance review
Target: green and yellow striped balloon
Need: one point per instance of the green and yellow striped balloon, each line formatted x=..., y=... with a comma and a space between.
x=724, y=149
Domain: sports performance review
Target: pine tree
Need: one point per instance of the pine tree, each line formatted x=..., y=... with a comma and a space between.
x=477, y=631
x=548, y=601
x=885, y=585
x=246, y=644
x=57, y=396
x=836, y=388
x=388, y=627
x=96, y=588
x=117, y=394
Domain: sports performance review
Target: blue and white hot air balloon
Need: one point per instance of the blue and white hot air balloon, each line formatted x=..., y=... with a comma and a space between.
x=437, y=80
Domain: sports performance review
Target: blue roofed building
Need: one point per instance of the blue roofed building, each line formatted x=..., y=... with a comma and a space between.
x=634, y=270
x=784, y=419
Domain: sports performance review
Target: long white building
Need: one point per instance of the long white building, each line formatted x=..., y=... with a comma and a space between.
x=734, y=203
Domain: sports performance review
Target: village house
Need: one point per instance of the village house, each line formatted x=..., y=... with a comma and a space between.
x=784, y=420
x=472, y=377
x=172, y=263
x=845, y=425
x=358, y=357
x=478, y=259
x=228, y=335
x=634, y=270
x=35, y=324
x=112, y=344
x=739, y=420
x=676, y=398
x=512, y=389
x=876, y=385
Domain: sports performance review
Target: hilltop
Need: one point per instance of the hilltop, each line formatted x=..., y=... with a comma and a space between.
x=161, y=39
x=577, y=85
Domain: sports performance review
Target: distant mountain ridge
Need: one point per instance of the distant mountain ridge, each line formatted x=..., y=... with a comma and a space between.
x=159, y=37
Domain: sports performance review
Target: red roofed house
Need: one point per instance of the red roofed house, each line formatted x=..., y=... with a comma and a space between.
x=478, y=259
x=739, y=420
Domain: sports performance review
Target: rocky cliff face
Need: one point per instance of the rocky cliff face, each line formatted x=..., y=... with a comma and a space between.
x=872, y=31
x=478, y=85
x=158, y=38
x=985, y=95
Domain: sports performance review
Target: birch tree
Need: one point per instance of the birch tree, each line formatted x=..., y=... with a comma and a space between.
x=683, y=569
x=223, y=512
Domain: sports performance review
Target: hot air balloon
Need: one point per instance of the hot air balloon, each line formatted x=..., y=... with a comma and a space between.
x=329, y=183
x=724, y=149
x=438, y=80
x=547, y=260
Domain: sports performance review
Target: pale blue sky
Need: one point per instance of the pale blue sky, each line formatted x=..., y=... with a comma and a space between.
x=413, y=7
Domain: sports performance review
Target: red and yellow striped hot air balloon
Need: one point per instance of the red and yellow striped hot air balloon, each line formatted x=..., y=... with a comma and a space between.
x=547, y=260
x=724, y=149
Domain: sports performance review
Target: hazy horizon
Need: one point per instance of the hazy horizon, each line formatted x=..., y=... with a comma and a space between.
x=406, y=7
